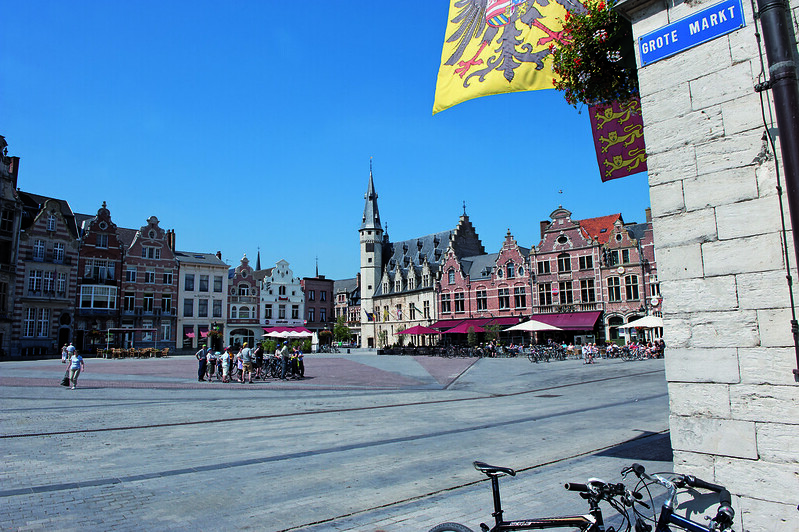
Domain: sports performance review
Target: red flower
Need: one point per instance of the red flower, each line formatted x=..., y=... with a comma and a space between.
x=601, y=5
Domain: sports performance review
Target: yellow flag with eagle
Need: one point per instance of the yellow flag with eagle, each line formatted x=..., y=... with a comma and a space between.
x=498, y=46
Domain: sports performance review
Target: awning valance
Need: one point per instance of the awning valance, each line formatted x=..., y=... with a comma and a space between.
x=570, y=321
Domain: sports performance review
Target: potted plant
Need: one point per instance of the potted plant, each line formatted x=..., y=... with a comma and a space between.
x=594, y=57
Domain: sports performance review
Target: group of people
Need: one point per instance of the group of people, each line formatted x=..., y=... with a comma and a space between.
x=247, y=364
x=71, y=356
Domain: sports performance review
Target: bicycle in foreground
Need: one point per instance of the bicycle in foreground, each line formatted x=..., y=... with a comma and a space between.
x=594, y=491
x=673, y=482
x=621, y=499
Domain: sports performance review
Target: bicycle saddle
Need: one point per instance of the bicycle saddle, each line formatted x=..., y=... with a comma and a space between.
x=493, y=470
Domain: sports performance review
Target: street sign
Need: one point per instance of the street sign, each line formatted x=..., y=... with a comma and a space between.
x=693, y=30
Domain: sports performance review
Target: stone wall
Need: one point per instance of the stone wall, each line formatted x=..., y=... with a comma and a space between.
x=734, y=401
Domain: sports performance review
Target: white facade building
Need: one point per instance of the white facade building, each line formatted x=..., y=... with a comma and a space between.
x=282, y=299
x=202, y=297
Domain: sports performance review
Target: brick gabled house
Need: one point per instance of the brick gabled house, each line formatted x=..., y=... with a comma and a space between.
x=46, y=276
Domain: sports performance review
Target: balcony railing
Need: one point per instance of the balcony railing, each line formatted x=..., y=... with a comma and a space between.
x=49, y=257
x=568, y=307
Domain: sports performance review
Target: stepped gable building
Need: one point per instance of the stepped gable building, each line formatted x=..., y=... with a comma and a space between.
x=149, y=288
x=282, y=300
x=102, y=254
x=202, y=305
x=10, y=217
x=486, y=289
x=244, y=303
x=398, y=279
x=46, y=274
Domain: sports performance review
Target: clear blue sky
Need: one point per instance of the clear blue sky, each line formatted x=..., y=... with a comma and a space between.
x=247, y=124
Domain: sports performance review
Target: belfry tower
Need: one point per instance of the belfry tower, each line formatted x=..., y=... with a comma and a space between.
x=371, y=235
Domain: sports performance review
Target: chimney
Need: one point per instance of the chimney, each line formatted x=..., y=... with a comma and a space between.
x=543, y=225
x=358, y=279
x=648, y=212
x=219, y=255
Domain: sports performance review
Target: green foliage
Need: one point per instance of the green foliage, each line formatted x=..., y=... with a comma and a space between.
x=594, y=57
x=325, y=337
x=471, y=337
x=341, y=332
x=269, y=346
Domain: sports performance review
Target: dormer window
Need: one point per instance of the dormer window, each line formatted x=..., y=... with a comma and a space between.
x=511, y=270
x=51, y=218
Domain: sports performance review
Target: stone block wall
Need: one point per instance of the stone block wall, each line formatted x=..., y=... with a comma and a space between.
x=716, y=220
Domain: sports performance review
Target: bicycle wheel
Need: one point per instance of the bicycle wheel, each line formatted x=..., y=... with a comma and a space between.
x=450, y=527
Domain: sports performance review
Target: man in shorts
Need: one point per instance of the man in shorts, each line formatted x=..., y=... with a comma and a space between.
x=246, y=361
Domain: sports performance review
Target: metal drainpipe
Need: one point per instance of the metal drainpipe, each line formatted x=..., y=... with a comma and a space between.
x=780, y=44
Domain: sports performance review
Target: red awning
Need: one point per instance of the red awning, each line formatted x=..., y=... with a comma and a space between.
x=475, y=322
x=570, y=321
x=463, y=328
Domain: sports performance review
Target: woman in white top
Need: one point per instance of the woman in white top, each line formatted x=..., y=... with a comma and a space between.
x=76, y=366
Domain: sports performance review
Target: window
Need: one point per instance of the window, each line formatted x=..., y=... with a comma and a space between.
x=61, y=283
x=654, y=287
x=625, y=256
x=148, y=302
x=631, y=287
x=399, y=312
x=99, y=269
x=244, y=289
x=543, y=267
x=129, y=301
x=217, y=308
x=202, y=308
x=7, y=221
x=311, y=295
x=147, y=336
x=168, y=278
x=38, y=250
x=35, y=281
x=519, y=297
x=445, y=304
x=268, y=312
x=385, y=288
x=244, y=313
x=295, y=312
x=29, y=325
x=545, y=294
x=102, y=241
x=281, y=312
x=451, y=276
x=188, y=308
x=203, y=283
x=234, y=313
x=612, y=257
x=511, y=269
x=49, y=282
x=51, y=222
x=130, y=275
x=565, y=292
x=587, y=294
x=459, y=302
x=426, y=279
x=398, y=285
x=149, y=252
x=481, y=299
x=614, y=289
x=218, y=283
x=323, y=314
x=149, y=277
x=281, y=291
x=58, y=252
x=323, y=296
x=426, y=309
x=166, y=303
x=3, y=296
x=100, y=297
x=43, y=328
x=310, y=315
x=564, y=263
x=504, y=298
x=188, y=282
x=166, y=331
x=586, y=262
x=411, y=282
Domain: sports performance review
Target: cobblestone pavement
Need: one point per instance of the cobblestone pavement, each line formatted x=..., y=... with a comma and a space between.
x=365, y=443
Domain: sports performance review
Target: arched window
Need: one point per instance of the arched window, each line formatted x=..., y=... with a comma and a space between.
x=234, y=314
x=564, y=263
x=451, y=276
x=244, y=313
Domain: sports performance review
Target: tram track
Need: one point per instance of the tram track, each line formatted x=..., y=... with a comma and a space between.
x=326, y=411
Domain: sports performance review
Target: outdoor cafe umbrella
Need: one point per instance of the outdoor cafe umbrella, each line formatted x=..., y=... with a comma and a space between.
x=419, y=329
x=647, y=322
x=533, y=326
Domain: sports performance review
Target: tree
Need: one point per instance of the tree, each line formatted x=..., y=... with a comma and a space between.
x=471, y=337
x=341, y=332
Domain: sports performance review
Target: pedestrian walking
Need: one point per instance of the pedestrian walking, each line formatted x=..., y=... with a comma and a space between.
x=64, y=354
x=246, y=363
x=201, y=357
x=76, y=366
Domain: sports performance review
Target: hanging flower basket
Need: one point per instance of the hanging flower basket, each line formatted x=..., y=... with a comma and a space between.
x=594, y=57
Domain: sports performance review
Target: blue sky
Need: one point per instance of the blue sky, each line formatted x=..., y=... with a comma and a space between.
x=245, y=125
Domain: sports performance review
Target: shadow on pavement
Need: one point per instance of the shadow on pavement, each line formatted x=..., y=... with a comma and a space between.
x=651, y=446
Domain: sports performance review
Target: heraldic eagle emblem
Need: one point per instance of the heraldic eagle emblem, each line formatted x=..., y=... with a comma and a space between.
x=496, y=46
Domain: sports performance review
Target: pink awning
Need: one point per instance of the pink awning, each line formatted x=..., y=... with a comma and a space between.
x=286, y=329
x=189, y=335
x=570, y=321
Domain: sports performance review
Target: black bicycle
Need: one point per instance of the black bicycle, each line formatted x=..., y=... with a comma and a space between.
x=673, y=482
x=594, y=491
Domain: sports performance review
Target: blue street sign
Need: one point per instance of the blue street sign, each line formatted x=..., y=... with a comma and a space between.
x=700, y=27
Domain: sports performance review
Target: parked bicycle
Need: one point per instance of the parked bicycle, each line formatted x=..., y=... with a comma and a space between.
x=673, y=482
x=594, y=491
